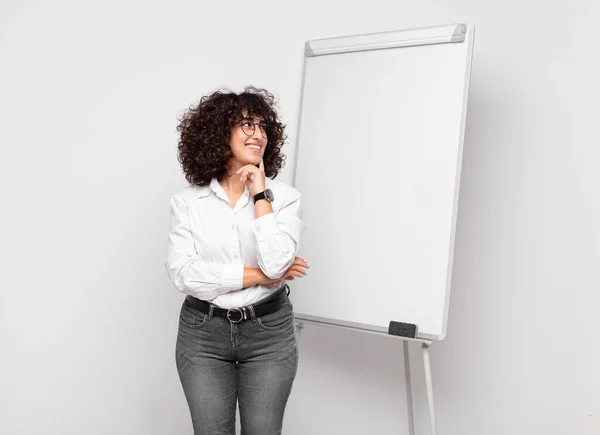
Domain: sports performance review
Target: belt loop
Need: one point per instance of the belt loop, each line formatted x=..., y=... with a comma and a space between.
x=287, y=289
x=252, y=314
x=210, y=311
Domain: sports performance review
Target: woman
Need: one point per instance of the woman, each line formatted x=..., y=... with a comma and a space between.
x=232, y=245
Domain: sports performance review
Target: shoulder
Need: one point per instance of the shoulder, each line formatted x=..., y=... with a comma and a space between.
x=283, y=191
x=188, y=194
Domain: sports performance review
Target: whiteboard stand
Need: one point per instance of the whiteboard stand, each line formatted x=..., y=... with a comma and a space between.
x=299, y=328
x=418, y=81
x=409, y=401
x=425, y=345
x=429, y=385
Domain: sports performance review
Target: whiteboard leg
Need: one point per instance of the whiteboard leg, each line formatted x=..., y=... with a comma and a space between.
x=299, y=326
x=409, y=400
x=428, y=381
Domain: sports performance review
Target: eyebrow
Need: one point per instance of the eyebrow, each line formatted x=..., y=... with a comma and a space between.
x=256, y=120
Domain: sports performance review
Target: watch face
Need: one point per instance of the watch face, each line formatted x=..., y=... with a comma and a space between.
x=269, y=195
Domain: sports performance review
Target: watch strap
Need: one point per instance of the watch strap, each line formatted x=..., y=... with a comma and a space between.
x=259, y=196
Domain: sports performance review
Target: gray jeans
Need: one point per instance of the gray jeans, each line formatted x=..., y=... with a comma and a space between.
x=253, y=362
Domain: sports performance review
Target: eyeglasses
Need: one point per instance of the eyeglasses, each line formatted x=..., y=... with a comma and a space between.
x=249, y=127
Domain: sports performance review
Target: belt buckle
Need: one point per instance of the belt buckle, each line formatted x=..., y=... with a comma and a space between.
x=231, y=310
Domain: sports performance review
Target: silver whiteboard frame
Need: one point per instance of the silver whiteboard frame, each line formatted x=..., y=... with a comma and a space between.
x=452, y=33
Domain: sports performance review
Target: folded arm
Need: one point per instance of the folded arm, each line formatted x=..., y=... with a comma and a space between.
x=278, y=237
x=202, y=279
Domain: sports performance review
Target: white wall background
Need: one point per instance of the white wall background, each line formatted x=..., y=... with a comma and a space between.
x=89, y=94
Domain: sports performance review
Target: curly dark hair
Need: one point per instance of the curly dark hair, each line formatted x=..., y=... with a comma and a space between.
x=205, y=130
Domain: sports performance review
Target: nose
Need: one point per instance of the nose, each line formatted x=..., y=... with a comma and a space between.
x=257, y=134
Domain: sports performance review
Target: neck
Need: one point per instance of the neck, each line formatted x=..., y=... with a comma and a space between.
x=231, y=181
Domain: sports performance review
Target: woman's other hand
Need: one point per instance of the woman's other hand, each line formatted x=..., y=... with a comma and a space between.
x=296, y=270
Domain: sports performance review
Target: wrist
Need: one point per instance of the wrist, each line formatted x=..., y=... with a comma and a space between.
x=255, y=276
x=266, y=280
x=257, y=190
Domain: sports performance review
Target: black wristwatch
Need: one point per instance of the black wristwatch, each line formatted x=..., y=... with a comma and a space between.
x=266, y=194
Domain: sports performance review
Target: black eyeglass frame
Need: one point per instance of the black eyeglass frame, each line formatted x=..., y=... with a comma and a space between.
x=254, y=124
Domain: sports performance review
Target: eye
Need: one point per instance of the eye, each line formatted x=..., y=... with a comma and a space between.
x=263, y=127
x=246, y=124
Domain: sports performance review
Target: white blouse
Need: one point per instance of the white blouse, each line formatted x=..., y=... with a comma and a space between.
x=210, y=242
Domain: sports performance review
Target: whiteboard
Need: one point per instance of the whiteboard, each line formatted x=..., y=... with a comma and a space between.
x=378, y=161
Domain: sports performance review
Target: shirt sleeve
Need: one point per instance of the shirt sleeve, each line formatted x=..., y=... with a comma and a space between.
x=278, y=236
x=190, y=275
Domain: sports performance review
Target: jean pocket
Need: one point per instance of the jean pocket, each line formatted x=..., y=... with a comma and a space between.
x=192, y=318
x=280, y=319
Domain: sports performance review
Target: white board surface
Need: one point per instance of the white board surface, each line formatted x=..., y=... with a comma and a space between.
x=378, y=164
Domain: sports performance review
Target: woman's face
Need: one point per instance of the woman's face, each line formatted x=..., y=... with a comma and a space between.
x=247, y=141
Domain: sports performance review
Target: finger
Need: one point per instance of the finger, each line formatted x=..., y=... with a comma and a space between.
x=246, y=175
x=244, y=169
x=239, y=171
x=300, y=269
x=261, y=166
x=293, y=273
x=296, y=269
x=301, y=262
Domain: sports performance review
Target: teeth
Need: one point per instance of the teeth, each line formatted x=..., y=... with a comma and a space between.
x=254, y=147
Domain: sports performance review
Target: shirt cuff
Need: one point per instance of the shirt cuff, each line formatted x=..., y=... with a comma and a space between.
x=232, y=277
x=265, y=226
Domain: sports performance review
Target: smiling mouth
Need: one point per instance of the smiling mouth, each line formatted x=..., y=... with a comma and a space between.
x=254, y=147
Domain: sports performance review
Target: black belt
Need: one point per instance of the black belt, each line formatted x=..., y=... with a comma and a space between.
x=236, y=315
